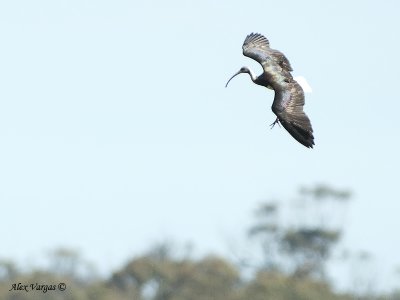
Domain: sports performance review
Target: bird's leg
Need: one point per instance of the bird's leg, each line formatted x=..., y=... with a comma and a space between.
x=275, y=122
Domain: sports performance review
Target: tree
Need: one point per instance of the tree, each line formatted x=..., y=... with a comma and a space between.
x=8, y=270
x=68, y=262
x=268, y=228
x=308, y=248
x=277, y=286
x=163, y=277
x=301, y=243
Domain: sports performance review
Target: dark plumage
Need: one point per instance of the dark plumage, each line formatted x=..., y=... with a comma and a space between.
x=289, y=95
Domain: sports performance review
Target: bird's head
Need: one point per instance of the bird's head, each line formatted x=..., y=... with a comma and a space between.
x=242, y=70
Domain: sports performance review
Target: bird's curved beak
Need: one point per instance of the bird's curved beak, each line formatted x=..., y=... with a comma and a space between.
x=237, y=73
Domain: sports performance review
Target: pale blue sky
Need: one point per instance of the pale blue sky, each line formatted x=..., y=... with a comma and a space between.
x=117, y=131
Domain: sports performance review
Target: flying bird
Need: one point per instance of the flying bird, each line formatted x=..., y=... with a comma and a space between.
x=289, y=95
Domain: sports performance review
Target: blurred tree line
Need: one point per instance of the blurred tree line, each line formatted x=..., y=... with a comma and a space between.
x=295, y=244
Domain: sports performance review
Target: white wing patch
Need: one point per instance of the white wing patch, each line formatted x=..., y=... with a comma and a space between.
x=303, y=83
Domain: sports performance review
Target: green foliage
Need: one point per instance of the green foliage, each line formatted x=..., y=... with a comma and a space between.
x=277, y=286
x=323, y=191
x=149, y=277
x=311, y=247
x=160, y=275
x=8, y=270
x=208, y=278
x=302, y=247
x=313, y=241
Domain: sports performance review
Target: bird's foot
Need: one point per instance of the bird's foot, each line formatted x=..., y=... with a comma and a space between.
x=275, y=122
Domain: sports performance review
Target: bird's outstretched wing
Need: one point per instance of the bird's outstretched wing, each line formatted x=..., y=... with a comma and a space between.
x=289, y=96
x=288, y=106
x=256, y=46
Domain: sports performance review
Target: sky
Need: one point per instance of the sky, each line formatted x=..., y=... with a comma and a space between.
x=117, y=131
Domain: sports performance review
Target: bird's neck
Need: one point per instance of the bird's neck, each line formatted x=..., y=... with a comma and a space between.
x=252, y=76
x=261, y=80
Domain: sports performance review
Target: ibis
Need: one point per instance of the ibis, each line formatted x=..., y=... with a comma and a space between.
x=289, y=95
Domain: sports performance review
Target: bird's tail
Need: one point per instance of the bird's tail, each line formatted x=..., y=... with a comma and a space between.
x=303, y=83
